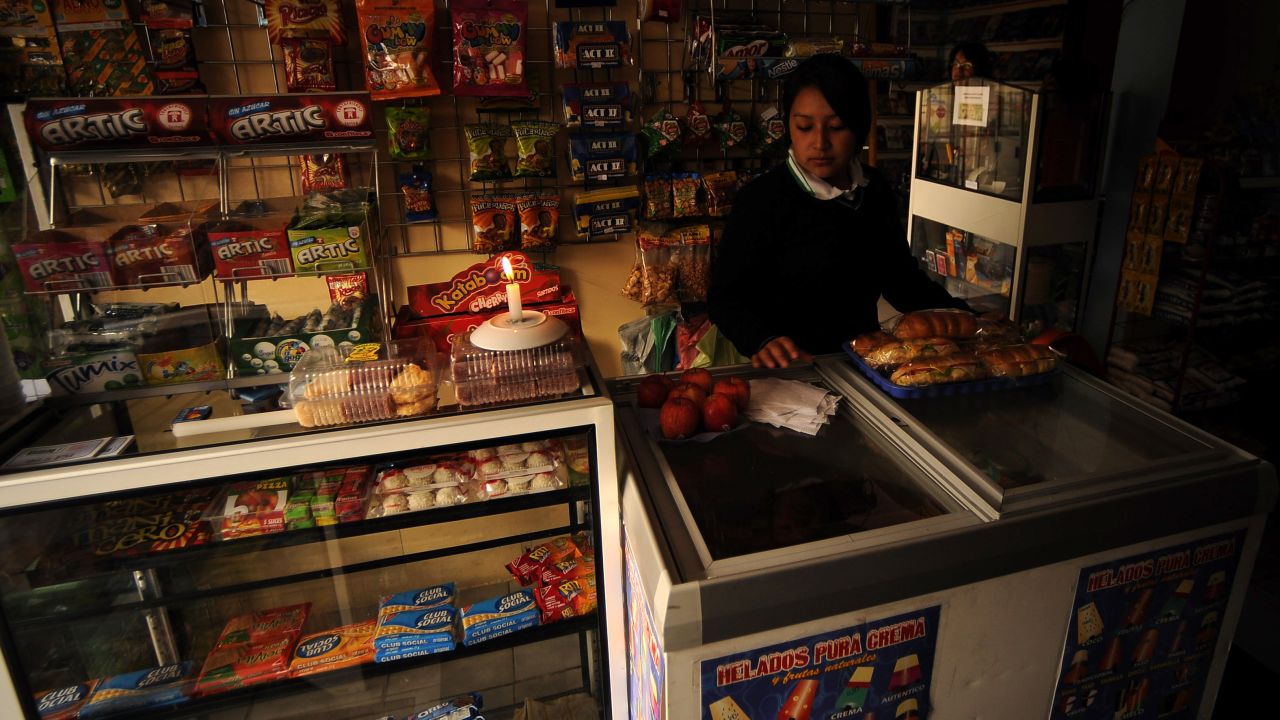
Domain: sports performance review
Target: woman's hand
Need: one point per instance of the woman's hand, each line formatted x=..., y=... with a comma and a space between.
x=779, y=353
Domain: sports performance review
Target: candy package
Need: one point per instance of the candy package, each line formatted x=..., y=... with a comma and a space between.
x=661, y=133
x=493, y=219
x=721, y=188
x=653, y=277
x=697, y=126
x=602, y=213
x=419, y=205
x=691, y=259
x=311, y=18
x=666, y=11
x=529, y=565
x=602, y=157
x=174, y=55
x=397, y=37
x=771, y=132
x=408, y=136
x=535, y=148
x=597, y=105
x=487, y=145
x=489, y=47
x=571, y=598
x=322, y=173
x=657, y=197
x=592, y=44
x=308, y=64
x=731, y=128
x=684, y=194
x=539, y=220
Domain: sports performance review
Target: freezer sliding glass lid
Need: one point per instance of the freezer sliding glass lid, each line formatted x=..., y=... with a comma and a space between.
x=760, y=488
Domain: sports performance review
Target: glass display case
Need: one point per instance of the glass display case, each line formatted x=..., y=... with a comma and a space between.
x=359, y=571
x=1002, y=207
x=947, y=540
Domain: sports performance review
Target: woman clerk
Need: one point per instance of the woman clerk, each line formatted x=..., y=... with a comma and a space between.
x=812, y=244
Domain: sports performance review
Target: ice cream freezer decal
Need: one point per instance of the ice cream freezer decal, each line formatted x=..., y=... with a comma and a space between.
x=878, y=669
x=1143, y=630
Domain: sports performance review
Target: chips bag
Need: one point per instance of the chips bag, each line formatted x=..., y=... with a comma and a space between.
x=535, y=148
x=657, y=197
x=493, y=218
x=731, y=128
x=309, y=19
x=489, y=47
x=408, y=136
x=721, y=189
x=321, y=173
x=539, y=220
x=397, y=37
x=419, y=205
x=698, y=126
x=661, y=132
x=487, y=144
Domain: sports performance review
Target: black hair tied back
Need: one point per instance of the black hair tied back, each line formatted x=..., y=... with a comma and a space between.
x=841, y=83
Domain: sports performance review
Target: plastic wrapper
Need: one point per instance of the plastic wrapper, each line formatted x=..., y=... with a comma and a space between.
x=487, y=146
x=442, y=594
x=489, y=47
x=697, y=126
x=64, y=703
x=246, y=509
x=398, y=381
x=527, y=568
x=417, y=627
x=408, y=133
x=463, y=707
x=419, y=203
x=397, y=37
x=539, y=220
x=601, y=158
x=332, y=649
x=483, y=377
x=654, y=275
x=122, y=695
x=592, y=44
x=318, y=18
x=657, y=197
x=571, y=598
x=495, y=617
x=721, y=188
x=661, y=133
x=321, y=173
x=420, y=487
x=535, y=148
x=606, y=212
x=494, y=222
x=684, y=195
x=771, y=131
x=731, y=128
x=308, y=64
x=692, y=261
x=597, y=105
x=803, y=46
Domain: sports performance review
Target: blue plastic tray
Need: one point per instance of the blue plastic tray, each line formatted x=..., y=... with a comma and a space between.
x=945, y=389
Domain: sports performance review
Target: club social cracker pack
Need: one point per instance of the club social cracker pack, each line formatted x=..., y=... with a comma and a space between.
x=95, y=123
x=142, y=689
x=495, y=617
x=334, y=648
x=64, y=703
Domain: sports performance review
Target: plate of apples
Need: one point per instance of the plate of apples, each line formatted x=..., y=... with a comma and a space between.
x=693, y=406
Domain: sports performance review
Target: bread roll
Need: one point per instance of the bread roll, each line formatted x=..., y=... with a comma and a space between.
x=936, y=323
x=867, y=342
x=896, y=353
x=958, y=367
x=1018, y=360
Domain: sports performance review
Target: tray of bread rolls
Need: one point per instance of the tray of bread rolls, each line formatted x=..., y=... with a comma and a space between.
x=935, y=353
x=364, y=383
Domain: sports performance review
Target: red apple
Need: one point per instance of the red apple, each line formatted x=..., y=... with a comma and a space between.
x=736, y=388
x=689, y=391
x=698, y=376
x=719, y=413
x=679, y=418
x=653, y=391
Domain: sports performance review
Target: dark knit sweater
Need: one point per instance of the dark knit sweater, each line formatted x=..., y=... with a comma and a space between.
x=813, y=270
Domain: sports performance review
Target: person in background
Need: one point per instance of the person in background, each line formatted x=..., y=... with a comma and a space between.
x=811, y=245
x=969, y=59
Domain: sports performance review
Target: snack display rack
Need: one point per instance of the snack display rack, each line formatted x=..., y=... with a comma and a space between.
x=765, y=568
x=989, y=217
x=136, y=575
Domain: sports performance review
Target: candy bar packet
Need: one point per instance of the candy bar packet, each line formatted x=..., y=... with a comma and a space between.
x=397, y=37
x=539, y=220
x=597, y=105
x=698, y=126
x=419, y=204
x=347, y=288
x=661, y=133
x=657, y=197
x=731, y=128
x=487, y=145
x=721, y=188
x=308, y=64
x=592, y=44
x=771, y=131
x=489, y=47
x=408, y=136
x=314, y=19
x=322, y=173
x=535, y=148
x=602, y=157
x=493, y=219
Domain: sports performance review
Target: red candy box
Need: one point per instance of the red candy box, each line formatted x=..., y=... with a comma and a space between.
x=56, y=260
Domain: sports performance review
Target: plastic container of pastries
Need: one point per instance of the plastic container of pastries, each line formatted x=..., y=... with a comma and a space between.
x=366, y=383
x=484, y=377
x=517, y=459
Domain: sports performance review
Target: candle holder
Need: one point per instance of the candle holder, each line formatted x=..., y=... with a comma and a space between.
x=505, y=360
x=533, y=329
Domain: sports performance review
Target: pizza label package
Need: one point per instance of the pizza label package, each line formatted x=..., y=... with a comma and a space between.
x=297, y=118
x=117, y=122
x=155, y=687
x=253, y=508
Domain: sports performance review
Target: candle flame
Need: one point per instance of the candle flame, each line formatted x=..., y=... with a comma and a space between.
x=507, y=273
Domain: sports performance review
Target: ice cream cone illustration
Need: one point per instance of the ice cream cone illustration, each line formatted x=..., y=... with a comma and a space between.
x=727, y=709
x=799, y=704
x=1173, y=606
x=1138, y=610
x=1146, y=648
x=1216, y=586
x=1088, y=623
x=1176, y=646
x=855, y=691
x=1075, y=671
x=905, y=672
x=1208, y=630
x=1111, y=658
x=907, y=710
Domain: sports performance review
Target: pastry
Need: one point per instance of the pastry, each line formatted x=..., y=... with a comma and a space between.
x=416, y=408
x=897, y=352
x=412, y=385
x=420, y=475
x=421, y=501
x=491, y=467
x=515, y=462
x=484, y=453
x=952, y=368
x=329, y=384
x=393, y=504
x=543, y=481
x=449, y=496
x=539, y=459
x=1018, y=360
x=392, y=480
x=533, y=445
x=867, y=342
x=519, y=484
x=936, y=323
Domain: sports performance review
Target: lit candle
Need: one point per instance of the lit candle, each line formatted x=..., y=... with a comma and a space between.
x=513, y=292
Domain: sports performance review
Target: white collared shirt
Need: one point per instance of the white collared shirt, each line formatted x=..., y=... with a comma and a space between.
x=822, y=189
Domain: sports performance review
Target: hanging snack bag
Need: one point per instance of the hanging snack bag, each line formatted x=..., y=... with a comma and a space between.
x=308, y=64
x=322, y=173
x=535, y=148
x=539, y=220
x=666, y=11
x=731, y=128
x=174, y=55
x=487, y=144
x=419, y=205
x=408, y=136
x=597, y=105
x=602, y=157
x=601, y=213
x=657, y=269
x=493, y=218
x=684, y=194
x=698, y=126
x=592, y=44
x=692, y=261
x=661, y=133
x=488, y=47
x=315, y=19
x=771, y=131
x=657, y=197
x=397, y=36
x=721, y=189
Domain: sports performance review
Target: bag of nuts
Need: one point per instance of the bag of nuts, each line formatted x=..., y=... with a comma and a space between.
x=653, y=277
x=692, y=261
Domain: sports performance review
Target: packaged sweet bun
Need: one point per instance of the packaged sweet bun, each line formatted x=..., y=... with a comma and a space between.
x=867, y=342
x=958, y=367
x=1018, y=360
x=936, y=323
x=901, y=351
